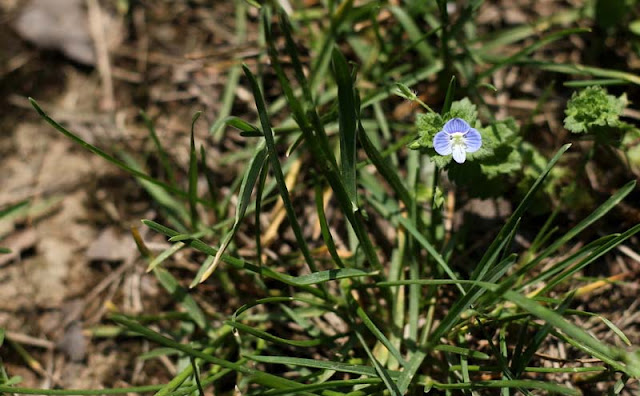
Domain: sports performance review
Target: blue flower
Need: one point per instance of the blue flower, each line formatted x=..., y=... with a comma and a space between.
x=457, y=138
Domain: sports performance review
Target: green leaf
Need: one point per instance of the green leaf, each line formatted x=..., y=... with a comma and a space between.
x=258, y=377
x=615, y=329
x=571, y=330
x=13, y=208
x=233, y=261
x=462, y=351
x=404, y=92
x=482, y=268
x=242, y=125
x=193, y=174
x=428, y=124
x=315, y=136
x=324, y=227
x=328, y=385
x=388, y=172
x=520, y=384
x=593, y=257
x=430, y=249
x=559, y=266
x=279, y=340
x=277, y=169
x=448, y=99
x=573, y=68
x=539, y=43
x=272, y=300
x=73, y=392
x=453, y=316
x=415, y=33
x=99, y=152
x=521, y=361
x=244, y=196
x=577, y=229
x=333, y=274
x=572, y=333
x=210, y=178
x=590, y=82
x=173, y=208
x=513, y=221
x=381, y=371
x=592, y=107
x=319, y=364
x=164, y=255
x=347, y=119
x=164, y=157
x=181, y=295
x=464, y=109
x=233, y=76
x=378, y=334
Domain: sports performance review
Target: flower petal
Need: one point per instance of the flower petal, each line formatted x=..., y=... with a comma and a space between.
x=473, y=140
x=456, y=125
x=442, y=143
x=459, y=153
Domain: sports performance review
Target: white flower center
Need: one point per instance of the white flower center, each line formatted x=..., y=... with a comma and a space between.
x=457, y=139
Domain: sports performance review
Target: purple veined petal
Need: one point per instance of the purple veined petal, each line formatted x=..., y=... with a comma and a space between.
x=459, y=153
x=473, y=140
x=456, y=125
x=442, y=143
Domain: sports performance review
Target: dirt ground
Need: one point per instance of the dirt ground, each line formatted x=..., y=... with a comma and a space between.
x=73, y=257
x=72, y=250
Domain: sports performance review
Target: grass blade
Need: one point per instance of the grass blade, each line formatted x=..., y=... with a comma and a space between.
x=99, y=152
x=318, y=145
x=244, y=196
x=603, y=209
x=529, y=49
x=324, y=385
x=448, y=99
x=277, y=169
x=586, y=70
x=599, y=252
x=515, y=217
x=414, y=32
x=387, y=171
x=261, y=378
x=233, y=261
x=164, y=157
x=347, y=118
x=174, y=209
x=378, y=334
x=164, y=255
x=193, y=175
x=451, y=318
x=279, y=340
x=381, y=371
x=324, y=227
x=429, y=248
x=332, y=274
x=319, y=364
x=520, y=362
x=233, y=77
x=181, y=295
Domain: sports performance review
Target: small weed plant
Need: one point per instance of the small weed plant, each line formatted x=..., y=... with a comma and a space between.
x=383, y=293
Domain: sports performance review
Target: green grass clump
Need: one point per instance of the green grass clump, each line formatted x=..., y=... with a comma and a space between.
x=411, y=308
